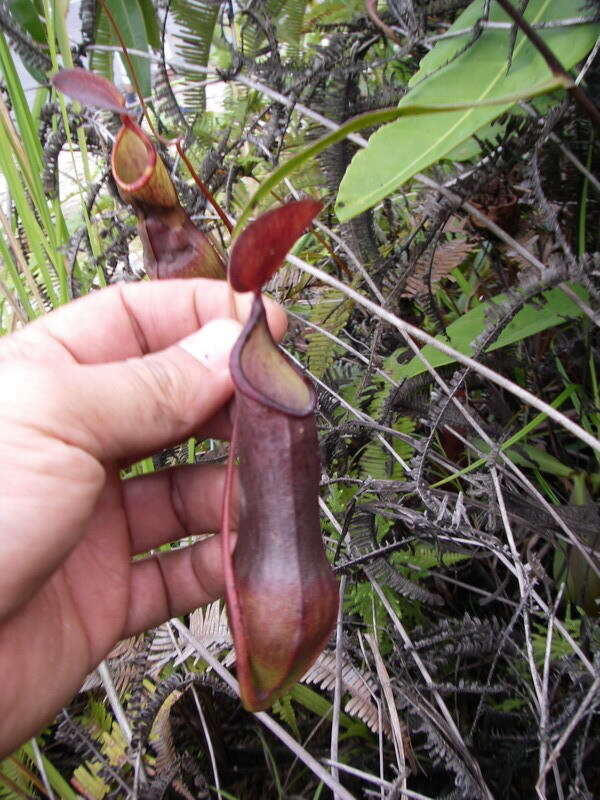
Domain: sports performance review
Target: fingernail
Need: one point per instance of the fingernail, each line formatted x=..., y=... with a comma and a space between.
x=212, y=344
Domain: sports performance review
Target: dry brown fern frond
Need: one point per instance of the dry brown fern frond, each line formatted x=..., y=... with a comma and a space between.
x=431, y=270
x=360, y=686
x=121, y=663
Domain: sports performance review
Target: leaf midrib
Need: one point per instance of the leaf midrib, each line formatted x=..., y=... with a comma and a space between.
x=394, y=182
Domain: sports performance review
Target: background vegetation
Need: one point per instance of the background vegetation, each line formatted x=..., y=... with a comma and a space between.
x=460, y=483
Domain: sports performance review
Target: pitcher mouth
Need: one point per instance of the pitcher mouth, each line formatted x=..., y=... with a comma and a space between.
x=272, y=380
x=135, y=172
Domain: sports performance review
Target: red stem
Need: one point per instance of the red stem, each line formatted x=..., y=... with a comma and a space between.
x=554, y=65
x=127, y=57
x=203, y=187
x=168, y=142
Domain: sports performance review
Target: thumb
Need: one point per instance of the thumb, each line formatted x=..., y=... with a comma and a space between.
x=153, y=401
x=127, y=409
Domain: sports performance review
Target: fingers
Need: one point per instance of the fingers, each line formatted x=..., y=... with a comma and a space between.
x=166, y=506
x=174, y=583
x=127, y=409
x=129, y=320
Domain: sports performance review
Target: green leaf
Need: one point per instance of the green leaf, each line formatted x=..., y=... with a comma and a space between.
x=533, y=318
x=58, y=783
x=532, y=457
x=284, y=708
x=151, y=23
x=290, y=25
x=132, y=26
x=101, y=61
x=25, y=13
x=319, y=705
x=399, y=150
x=253, y=34
x=369, y=120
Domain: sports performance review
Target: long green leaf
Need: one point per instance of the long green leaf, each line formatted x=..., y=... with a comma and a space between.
x=480, y=72
x=25, y=13
x=21, y=163
x=151, y=23
x=130, y=20
x=58, y=783
x=554, y=309
x=369, y=120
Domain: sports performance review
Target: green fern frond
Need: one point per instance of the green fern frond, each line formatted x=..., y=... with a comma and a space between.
x=98, y=714
x=290, y=26
x=285, y=710
x=361, y=600
x=376, y=461
x=334, y=12
x=253, y=34
x=331, y=314
x=13, y=773
x=196, y=21
x=86, y=780
x=102, y=61
x=425, y=558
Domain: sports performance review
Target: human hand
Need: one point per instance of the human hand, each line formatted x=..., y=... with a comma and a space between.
x=86, y=389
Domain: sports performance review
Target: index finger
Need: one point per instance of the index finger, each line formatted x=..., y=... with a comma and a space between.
x=129, y=320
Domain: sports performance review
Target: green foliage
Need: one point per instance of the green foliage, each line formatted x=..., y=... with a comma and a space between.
x=193, y=39
x=285, y=710
x=554, y=309
x=57, y=782
x=137, y=24
x=476, y=72
x=98, y=714
x=26, y=14
x=102, y=61
x=333, y=12
x=21, y=163
x=14, y=780
x=90, y=782
x=368, y=120
x=365, y=604
x=257, y=27
x=290, y=27
x=425, y=558
x=319, y=705
x=331, y=314
x=560, y=647
x=460, y=610
x=376, y=461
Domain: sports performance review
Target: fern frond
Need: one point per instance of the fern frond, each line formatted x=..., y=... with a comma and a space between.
x=15, y=770
x=76, y=736
x=289, y=27
x=376, y=460
x=361, y=541
x=102, y=61
x=430, y=270
x=285, y=710
x=469, y=636
x=360, y=686
x=196, y=21
x=330, y=314
x=259, y=27
x=121, y=664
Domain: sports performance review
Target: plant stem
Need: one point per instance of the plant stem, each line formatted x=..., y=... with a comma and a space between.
x=554, y=65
